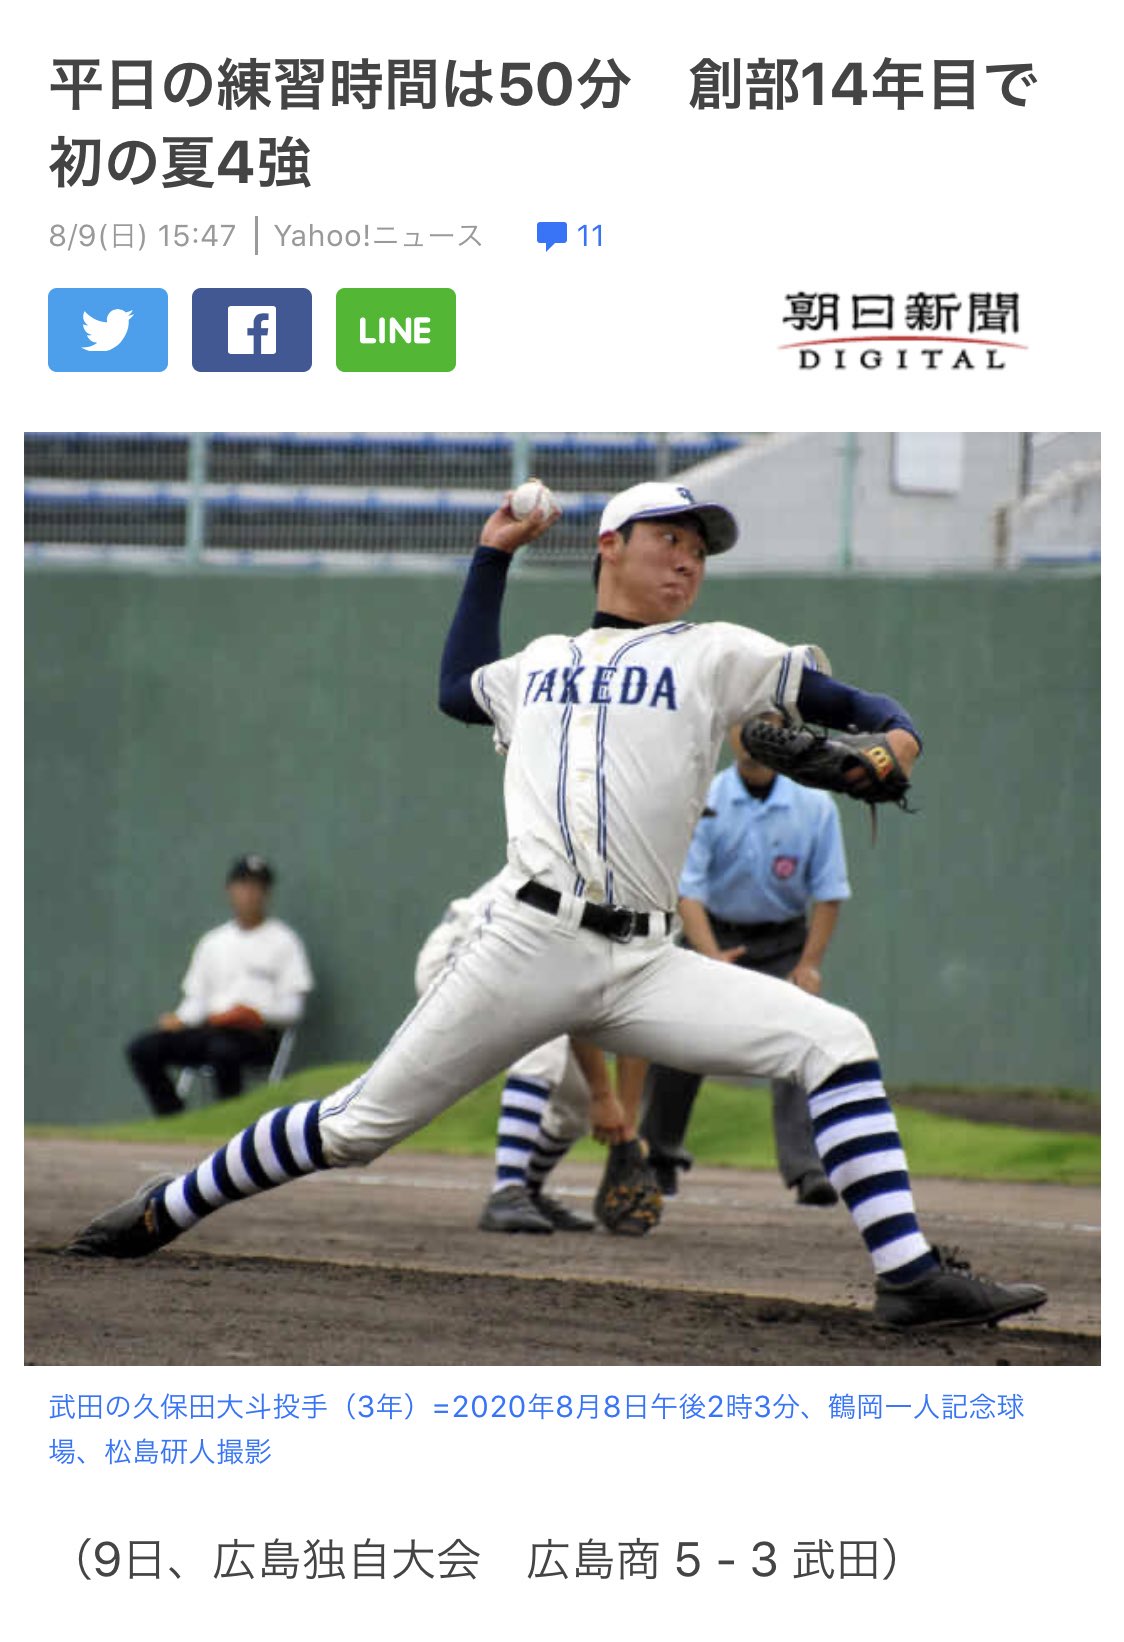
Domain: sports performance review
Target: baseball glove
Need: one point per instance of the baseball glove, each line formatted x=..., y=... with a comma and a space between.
x=628, y=1200
x=860, y=766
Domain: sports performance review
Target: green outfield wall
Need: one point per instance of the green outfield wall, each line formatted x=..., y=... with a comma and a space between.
x=174, y=721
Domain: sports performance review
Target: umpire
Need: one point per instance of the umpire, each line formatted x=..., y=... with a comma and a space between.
x=761, y=888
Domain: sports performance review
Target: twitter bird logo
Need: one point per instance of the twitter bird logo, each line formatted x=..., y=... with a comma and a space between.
x=99, y=329
x=106, y=333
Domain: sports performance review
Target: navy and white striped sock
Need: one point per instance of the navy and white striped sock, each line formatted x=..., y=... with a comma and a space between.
x=545, y=1154
x=282, y=1145
x=522, y=1105
x=857, y=1138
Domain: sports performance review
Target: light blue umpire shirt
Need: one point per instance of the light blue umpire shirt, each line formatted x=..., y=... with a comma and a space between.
x=764, y=861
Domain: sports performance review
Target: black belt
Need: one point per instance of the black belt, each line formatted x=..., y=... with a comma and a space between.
x=763, y=943
x=617, y=923
x=790, y=926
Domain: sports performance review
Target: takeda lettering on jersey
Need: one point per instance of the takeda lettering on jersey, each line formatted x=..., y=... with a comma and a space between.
x=602, y=686
x=611, y=738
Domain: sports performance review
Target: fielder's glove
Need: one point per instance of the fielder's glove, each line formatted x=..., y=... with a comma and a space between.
x=628, y=1200
x=860, y=766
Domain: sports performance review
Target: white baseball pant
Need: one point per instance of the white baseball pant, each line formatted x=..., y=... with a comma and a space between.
x=524, y=978
x=552, y=1064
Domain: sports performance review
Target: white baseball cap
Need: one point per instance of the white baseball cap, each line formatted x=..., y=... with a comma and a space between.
x=660, y=499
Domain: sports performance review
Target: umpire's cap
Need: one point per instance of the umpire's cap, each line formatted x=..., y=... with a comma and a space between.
x=254, y=867
x=661, y=499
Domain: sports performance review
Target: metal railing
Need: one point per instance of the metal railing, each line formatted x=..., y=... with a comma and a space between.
x=332, y=499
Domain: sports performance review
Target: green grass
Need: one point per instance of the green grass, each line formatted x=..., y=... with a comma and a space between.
x=731, y=1126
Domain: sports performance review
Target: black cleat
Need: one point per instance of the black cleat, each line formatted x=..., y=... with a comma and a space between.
x=560, y=1217
x=666, y=1166
x=513, y=1209
x=814, y=1190
x=951, y=1297
x=130, y=1231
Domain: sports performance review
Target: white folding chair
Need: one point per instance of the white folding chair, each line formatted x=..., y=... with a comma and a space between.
x=279, y=1065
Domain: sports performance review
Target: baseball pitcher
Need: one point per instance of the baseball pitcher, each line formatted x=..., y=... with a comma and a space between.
x=612, y=736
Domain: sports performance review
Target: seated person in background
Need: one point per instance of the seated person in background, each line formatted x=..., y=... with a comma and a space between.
x=246, y=982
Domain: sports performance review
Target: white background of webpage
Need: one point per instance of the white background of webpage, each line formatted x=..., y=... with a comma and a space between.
x=709, y=222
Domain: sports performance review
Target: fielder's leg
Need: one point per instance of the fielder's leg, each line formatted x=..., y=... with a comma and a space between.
x=521, y=1142
x=797, y=1158
x=669, y=1098
x=564, y=1121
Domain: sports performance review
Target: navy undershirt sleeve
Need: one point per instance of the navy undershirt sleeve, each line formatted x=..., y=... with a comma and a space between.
x=838, y=706
x=474, y=635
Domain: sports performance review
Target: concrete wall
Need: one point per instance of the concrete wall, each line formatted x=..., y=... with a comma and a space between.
x=805, y=495
x=1060, y=521
x=174, y=721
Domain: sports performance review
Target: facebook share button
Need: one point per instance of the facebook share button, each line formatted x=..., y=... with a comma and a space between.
x=256, y=330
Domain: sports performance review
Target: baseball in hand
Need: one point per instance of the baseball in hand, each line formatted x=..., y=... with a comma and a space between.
x=532, y=498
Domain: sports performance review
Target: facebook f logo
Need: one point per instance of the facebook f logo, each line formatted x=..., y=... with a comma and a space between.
x=257, y=330
x=251, y=330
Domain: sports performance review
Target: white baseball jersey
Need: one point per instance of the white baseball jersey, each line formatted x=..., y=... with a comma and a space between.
x=612, y=738
x=265, y=968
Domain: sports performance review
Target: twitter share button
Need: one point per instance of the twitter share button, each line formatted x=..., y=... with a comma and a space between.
x=107, y=329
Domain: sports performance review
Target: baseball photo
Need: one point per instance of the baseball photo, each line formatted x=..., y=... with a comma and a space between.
x=541, y=898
